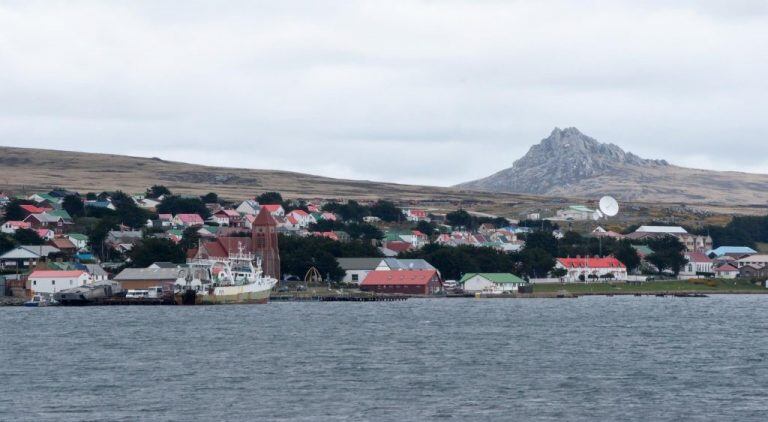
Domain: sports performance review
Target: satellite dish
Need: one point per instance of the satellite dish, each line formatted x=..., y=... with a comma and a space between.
x=597, y=215
x=609, y=206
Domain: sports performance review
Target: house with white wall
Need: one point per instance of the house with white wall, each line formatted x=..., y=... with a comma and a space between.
x=588, y=268
x=491, y=283
x=49, y=282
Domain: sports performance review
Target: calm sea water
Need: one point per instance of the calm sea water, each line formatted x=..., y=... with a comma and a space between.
x=591, y=358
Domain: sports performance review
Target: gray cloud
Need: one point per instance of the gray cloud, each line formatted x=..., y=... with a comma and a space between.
x=433, y=92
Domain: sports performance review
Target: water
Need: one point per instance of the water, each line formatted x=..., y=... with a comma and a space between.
x=591, y=358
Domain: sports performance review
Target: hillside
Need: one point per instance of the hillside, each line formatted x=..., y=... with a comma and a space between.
x=571, y=163
x=26, y=170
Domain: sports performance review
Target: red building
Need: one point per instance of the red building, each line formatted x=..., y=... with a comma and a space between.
x=264, y=242
x=412, y=282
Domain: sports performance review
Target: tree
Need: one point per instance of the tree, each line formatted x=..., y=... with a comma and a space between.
x=270, y=198
x=6, y=243
x=386, y=211
x=351, y=211
x=459, y=218
x=190, y=238
x=210, y=198
x=157, y=191
x=73, y=205
x=542, y=240
x=153, y=250
x=14, y=212
x=363, y=231
x=453, y=262
x=625, y=253
x=426, y=227
x=667, y=254
x=537, y=262
x=127, y=211
x=27, y=237
x=183, y=205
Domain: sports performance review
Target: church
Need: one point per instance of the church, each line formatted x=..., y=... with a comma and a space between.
x=262, y=243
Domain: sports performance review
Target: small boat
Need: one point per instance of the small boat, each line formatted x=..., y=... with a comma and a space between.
x=40, y=300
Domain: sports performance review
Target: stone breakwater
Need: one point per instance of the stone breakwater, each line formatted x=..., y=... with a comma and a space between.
x=11, y=301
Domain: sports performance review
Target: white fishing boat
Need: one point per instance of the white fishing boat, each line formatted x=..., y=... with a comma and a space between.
x=236, y=279
x=39, y=300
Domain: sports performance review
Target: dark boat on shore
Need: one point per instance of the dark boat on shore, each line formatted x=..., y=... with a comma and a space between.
x=89, y=294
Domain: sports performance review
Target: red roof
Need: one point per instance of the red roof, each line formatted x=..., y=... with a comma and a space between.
x=54, y=274
x=19, y=224
x=229, y=213
x=300, y=213
x=32, y=209
x=727, y=268
x=591, y=262
x=264, y=218
x=190, y=218
x=292, y=219
x=398, y=246
x=698, y=257
x=402, y=277
x=272, y=207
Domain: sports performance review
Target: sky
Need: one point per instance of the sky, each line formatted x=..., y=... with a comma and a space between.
x=427, y=92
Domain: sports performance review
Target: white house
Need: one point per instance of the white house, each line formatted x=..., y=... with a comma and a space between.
x=754, y=260
x=727, y=271
x=585, y=269
x=249, y=207
x=10, y=227
x=78, y=239
x=303, y=218
x=493, y=283
x=698, y=264
x=575, y=212
x=53, y=281
x=356, y=269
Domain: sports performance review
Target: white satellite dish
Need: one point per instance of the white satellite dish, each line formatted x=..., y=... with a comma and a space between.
x=597, y=215
x=609, y=206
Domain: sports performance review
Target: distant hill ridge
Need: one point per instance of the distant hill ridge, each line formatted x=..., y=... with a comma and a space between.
x=570, y=163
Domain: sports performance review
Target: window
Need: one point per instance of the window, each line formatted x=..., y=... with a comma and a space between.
x=53, y=282
x=34, y=282
x=355, y=277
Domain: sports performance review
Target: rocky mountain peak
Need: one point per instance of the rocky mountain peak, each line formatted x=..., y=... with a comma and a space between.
x=565, y=157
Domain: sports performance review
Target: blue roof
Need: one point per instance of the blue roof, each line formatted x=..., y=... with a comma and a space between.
x=722, y=250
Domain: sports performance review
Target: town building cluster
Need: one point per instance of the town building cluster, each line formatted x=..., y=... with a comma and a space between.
x=60, y=253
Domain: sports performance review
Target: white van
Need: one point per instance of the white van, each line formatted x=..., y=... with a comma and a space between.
x=137, y=294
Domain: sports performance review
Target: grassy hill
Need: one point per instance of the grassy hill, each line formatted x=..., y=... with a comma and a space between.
x=26, y=170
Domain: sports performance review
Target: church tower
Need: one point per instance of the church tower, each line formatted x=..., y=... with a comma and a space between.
x=264, y=243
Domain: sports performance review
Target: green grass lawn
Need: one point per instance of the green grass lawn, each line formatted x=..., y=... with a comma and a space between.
x=652, y=286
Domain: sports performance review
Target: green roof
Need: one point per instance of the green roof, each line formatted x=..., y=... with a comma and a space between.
x=61, y=213
x=48, y=197
x=78, y=236
x=643, y=249
x=581, y=208
x=176, y=232
x=494, y=277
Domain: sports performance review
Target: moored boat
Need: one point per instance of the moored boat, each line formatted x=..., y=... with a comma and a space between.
x=39, y=300
x=236, y=279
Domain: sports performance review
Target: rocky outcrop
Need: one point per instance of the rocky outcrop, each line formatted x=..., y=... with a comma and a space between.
x=570, y=163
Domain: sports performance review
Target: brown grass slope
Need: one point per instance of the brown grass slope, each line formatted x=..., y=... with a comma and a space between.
x=28, y=170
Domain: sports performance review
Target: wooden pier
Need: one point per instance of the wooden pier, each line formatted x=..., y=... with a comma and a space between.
x=340, y=298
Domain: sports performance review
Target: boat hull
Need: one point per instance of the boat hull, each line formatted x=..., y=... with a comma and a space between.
x=223, y=296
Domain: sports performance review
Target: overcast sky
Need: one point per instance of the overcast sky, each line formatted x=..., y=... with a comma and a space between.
x=433, y=92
